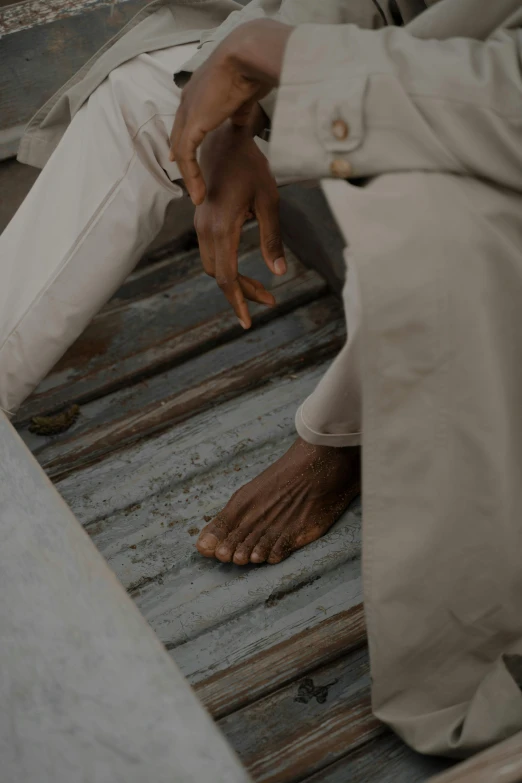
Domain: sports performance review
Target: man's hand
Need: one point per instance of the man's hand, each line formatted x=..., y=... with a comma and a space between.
x=241, y=71
x=240, y=186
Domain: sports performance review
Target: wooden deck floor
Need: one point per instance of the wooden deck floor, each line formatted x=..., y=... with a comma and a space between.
x=178, y=408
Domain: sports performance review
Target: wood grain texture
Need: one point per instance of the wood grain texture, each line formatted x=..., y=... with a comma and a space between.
x=34, y=13
x=38, y=60
x=295, y=340
x=500, y=764
x=160, y=318
x=144, y=507
x=266, y=672
x=384, y=760
x=306, y=725
x=258, y=423
x=183, y=595
x=260, y=627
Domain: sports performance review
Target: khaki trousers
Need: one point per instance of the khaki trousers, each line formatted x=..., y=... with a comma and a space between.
x=438, y=264
x=96, y=206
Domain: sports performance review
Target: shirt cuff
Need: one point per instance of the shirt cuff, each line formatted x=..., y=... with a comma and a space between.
x=319, y=115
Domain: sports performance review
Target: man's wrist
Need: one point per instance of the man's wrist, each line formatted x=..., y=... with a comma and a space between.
x=257, y=50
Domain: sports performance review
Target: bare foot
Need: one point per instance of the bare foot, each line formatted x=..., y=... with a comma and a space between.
x=292, y=503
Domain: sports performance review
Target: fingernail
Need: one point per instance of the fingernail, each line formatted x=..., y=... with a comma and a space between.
x=243, y=324
x=280, y=266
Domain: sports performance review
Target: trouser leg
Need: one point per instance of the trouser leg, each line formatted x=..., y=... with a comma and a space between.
x=95, y=208
x=439, y=266
x=331, y=416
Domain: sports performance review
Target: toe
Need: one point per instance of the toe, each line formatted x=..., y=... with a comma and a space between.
x=262, y=549
x=244, y=550
x=211, y=536
x=206, y=544
x=226, y=550
x=241, y=556
x=282, y=548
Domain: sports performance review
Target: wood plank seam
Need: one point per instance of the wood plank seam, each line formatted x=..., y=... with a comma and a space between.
x=350, y=726
x=263, y=674
x=180, y=349
x=154, y=418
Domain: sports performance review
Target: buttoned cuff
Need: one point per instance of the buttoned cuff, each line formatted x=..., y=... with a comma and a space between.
x=319, y=118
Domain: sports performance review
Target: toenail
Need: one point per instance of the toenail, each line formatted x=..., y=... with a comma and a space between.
x=208, y=541
x=255, y=557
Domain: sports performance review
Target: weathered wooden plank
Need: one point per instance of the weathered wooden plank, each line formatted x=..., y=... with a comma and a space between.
x=220, y=614
x=26, y=14
x=384, y=760
x=157, y=321
x=183, y=594
x=270, y=622
x=38, y=59
x=165, y=271
x=34, y=13
x=264, y=673
x=499, y=764
x=259, y=422
x=185, y=474
x=87, y=691
x=295, y=340
x=307, y=725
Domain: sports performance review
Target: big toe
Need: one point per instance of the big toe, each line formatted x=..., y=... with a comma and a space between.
x=207, y=543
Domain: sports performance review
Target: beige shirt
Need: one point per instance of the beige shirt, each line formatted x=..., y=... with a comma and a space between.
x=407, y=104
x=358, y=103
x=355, y=102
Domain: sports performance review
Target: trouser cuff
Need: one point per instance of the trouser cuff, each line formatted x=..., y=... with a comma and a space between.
x=337, y=440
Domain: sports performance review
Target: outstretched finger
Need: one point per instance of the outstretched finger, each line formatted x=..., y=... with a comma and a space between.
x=234, y=293
x=255, y=291
x=267, y=213
x=226, y=244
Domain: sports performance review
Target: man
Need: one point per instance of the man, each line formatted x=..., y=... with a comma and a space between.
x=429, y=120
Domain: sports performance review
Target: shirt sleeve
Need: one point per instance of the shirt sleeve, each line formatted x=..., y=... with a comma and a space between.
x=255, y=9
x=355, y=103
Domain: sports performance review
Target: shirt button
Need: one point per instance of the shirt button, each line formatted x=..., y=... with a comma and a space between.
x=340, y=168
x=339, y=129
